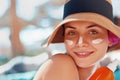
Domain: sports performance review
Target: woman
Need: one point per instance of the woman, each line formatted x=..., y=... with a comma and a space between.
x=86, y=32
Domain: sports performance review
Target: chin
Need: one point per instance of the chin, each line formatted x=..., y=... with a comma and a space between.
x=83, y=65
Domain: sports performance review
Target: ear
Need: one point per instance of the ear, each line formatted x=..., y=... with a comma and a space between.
x=110, y=43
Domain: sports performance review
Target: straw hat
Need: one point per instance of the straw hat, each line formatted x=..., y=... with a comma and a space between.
x=96, y=11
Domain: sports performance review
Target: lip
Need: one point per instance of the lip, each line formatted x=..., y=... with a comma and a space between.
x=83, y=54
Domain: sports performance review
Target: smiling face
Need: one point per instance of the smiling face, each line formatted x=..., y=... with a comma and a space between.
x=86, y=42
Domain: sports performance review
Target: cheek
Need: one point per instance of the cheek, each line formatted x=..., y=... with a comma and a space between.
x=97, y=41
x=101, y=45
x=69, y=42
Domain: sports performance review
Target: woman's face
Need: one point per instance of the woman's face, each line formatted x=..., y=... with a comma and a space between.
x=86, y=42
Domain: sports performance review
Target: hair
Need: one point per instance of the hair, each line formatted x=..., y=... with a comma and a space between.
x=63, y=27
x=114, y=47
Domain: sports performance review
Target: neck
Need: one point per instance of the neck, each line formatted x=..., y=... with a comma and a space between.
x=85, y=73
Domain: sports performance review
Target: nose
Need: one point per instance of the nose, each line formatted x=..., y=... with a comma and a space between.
x=82, y=42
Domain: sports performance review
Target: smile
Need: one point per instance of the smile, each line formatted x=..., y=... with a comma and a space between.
x=83, y=54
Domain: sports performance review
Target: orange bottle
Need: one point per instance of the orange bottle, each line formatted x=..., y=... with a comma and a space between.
x=105, y=72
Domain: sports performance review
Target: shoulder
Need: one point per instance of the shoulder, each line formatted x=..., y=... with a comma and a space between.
x=62, y=57
x=58, y=67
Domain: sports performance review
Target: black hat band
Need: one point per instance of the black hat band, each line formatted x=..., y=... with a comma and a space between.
x=96, y=6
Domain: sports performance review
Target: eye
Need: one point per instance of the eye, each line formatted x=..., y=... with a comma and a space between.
x=93, y=32
x=71, y=33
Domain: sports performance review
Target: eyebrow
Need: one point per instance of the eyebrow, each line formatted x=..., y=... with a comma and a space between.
x=70, y=27
x=94, y=25
x=90, y=26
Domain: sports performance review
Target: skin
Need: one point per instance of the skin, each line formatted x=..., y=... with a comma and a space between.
x=95, y=41
x=86, y=44
x=82, y=34
x=59, y=67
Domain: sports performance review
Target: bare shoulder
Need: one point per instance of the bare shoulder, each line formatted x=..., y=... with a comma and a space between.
x=62, y=61
x=58, y=67
x=62, y=58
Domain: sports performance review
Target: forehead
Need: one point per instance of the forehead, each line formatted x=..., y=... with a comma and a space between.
x=82, y=24
x=79, y=22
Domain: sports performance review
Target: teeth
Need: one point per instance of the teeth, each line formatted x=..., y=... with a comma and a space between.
x=83, y=53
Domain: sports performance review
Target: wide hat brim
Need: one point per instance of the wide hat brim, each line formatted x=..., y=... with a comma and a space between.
x=57, y=36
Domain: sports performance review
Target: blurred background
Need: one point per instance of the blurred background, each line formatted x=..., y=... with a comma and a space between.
x=25, y=26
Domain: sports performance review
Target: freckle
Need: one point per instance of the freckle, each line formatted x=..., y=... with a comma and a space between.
x=97, y=41
x=69, y=42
